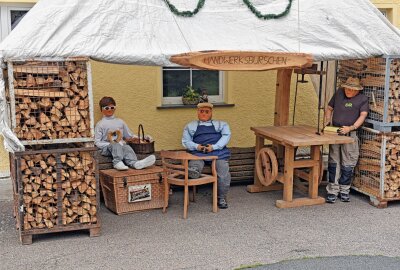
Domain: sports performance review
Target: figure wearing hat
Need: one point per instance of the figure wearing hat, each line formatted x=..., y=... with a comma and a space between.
x=208, y=137
x=347, y=109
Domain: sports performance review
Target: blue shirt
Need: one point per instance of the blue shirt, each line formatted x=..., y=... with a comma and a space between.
x=190, y=130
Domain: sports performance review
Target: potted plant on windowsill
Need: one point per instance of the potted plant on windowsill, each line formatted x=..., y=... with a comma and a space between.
x=190, y=96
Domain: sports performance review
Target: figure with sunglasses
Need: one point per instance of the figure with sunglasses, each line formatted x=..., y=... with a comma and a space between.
x=207, y=137
x=122, y=154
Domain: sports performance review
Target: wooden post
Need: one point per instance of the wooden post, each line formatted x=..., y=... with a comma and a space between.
x=282, y=102
x=288, y=174
x=282, y=97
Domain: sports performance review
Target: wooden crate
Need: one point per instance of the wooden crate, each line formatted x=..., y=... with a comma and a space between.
x=55, y=190
x=377, y=173
x=132, y=190
x=51, y=101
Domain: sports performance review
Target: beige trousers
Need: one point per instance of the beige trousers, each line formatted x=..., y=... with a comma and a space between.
x=342, y=160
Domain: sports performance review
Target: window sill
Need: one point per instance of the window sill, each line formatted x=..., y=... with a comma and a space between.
x=181, y=106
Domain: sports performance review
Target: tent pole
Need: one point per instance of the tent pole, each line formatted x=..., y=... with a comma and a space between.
x=319, y=98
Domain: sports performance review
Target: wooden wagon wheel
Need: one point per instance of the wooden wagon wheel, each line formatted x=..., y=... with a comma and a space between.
x=266, y=166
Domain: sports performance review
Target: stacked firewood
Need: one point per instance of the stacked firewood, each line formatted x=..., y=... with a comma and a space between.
x=74, y=193
x=51, y=101
x=368, y=173
x=372, y=73
x=353, y=68
x=376, y=79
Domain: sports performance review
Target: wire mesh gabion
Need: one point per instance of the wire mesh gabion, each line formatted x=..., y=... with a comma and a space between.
x=378, y=170
x=56, y=187
x=50, y=100
x=384, y=100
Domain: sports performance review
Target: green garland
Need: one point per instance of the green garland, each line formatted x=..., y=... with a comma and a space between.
x=267, y=16
x=186, y=13
x=248, y=3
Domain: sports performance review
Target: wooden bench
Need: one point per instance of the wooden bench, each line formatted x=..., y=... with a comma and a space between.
x=241, y=164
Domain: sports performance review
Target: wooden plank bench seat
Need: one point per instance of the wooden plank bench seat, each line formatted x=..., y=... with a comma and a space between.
x=241, y=163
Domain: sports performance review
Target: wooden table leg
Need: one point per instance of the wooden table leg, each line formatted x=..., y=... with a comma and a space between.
x=288, y=201
x=257, y=186
x=288, y=174
x=314, y=173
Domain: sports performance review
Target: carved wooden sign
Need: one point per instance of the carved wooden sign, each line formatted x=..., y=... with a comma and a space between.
x=242, y=60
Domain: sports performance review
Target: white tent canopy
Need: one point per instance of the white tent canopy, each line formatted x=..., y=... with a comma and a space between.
x=146, y=32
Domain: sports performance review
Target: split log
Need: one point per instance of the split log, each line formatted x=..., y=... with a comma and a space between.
x=37, y=69
x=40, y=93
x=78, y=196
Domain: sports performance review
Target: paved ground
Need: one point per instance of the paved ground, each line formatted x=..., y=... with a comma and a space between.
x=252, y=231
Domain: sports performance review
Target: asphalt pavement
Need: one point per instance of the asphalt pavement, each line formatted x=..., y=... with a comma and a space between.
x=251, y=232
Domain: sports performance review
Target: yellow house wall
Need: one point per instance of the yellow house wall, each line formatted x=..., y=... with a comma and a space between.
x=137, y=91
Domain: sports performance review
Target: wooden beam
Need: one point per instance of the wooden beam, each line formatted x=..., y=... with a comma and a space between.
x=242, y=60
x=37, y=69
x=40, y=93
x=282, y=97
x=282, y=102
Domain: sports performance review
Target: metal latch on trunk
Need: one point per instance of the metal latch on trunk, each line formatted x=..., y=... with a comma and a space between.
x=125, y=182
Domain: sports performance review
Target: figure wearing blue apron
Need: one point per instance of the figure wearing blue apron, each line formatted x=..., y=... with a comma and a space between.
x=208, y=135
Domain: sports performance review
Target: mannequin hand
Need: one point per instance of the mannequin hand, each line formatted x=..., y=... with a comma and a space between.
x=200, y=148
x=208, y=148
x=344, y=130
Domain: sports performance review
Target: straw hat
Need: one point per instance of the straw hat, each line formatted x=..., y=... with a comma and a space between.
x=352, y=83
x=205, y=105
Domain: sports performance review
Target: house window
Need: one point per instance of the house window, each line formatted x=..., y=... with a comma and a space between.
x=175, y=81
x=384, y=12
x=10, y=16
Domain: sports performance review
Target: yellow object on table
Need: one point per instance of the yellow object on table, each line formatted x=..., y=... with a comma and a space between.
x=331, y=129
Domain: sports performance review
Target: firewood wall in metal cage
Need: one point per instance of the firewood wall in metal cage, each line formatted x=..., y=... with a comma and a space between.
x=51, y=100
x=55, y=189
x=381, y=80
x=377, y=173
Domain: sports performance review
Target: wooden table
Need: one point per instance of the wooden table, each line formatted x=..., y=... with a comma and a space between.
x=291, y=137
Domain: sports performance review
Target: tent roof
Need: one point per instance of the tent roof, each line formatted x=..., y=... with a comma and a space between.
x=148, y=33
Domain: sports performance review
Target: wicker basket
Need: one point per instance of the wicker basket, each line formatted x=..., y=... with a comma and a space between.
x=141, y=145
x=132, y=190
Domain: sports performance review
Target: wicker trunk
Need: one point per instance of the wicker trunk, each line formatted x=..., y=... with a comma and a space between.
x=132, y=190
